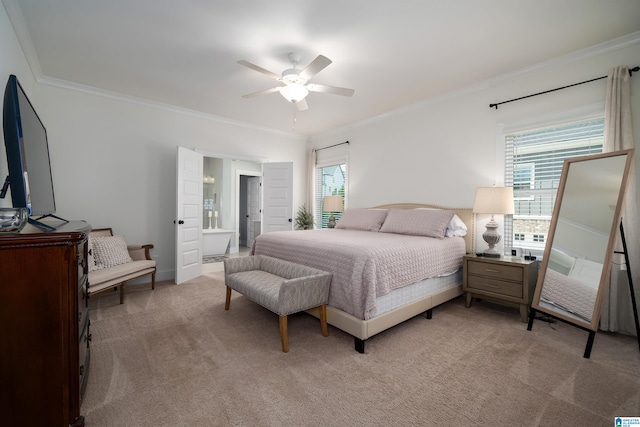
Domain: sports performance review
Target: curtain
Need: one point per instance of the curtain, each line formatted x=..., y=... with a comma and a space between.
x=617, y=313
x=311, y=180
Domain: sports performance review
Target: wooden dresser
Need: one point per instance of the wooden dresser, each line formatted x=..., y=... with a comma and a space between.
x=44, y=326
x=504, y=279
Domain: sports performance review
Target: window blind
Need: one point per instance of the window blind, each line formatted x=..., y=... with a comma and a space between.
x=331, y=179
x=533, y=166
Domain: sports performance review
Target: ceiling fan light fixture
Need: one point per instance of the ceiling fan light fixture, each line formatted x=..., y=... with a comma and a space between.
x=294, y=92
x=292, y=76
x=295, y=88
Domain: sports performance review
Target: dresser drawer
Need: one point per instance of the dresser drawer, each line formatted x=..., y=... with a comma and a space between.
x=84, y=359
x=83, y=267
x=83, y=311
x=503, y=272
x=493, y=285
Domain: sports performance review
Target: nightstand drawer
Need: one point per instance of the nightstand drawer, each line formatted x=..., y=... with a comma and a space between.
x=502, y=272
x=497, y=286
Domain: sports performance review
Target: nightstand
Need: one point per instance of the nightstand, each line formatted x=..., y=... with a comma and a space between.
x=503, y=279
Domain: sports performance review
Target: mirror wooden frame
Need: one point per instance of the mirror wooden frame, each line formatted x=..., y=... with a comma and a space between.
x=603, y=286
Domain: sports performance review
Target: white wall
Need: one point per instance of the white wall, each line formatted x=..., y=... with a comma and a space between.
x=113, y=162
x=440, y=150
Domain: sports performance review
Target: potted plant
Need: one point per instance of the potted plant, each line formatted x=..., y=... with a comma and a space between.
x=304, y=219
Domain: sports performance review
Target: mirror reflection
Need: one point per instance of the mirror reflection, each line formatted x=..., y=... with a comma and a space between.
x=573, y=269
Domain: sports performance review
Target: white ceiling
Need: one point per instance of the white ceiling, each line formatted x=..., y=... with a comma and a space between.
x=184, y=53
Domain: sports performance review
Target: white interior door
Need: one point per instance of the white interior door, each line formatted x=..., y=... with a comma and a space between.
x=188, y=221
x=277, y=187
x=253, y=209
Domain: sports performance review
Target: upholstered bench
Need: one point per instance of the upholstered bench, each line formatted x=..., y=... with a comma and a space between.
x=279, y=286
x=113, y=263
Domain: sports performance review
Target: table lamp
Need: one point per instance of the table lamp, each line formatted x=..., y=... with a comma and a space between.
x=332, y=204
x=493, y=200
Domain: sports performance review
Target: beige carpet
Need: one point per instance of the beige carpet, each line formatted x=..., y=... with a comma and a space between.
x=175, y=357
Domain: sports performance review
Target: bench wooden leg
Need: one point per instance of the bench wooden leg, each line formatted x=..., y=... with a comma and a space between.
x=228, y=301
x=283, y=334
x=153, y=281
x=122, y=292
x=323, y=320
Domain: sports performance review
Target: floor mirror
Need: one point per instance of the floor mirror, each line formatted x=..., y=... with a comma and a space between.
x=574, y=273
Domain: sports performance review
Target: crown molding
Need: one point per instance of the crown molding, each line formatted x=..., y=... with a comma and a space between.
x=63, y=84
x=599, y=49
x=17, y=21
x=24, y=39
x=570, y=58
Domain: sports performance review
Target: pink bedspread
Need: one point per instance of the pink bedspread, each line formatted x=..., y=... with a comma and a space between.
x=365, y=264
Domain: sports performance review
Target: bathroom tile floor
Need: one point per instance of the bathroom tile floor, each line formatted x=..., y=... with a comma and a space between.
x=211, y=267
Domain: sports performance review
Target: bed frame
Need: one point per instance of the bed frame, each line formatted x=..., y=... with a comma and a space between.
x=364, y=329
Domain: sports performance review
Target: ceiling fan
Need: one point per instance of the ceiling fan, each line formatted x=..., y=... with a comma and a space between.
x=295, y=82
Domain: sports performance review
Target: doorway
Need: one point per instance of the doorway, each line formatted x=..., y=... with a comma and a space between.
x=249, y=197
x=224, y=194
x=221, y=200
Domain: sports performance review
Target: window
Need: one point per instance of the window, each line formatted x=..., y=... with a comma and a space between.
x=330, y=181
x=533, y=165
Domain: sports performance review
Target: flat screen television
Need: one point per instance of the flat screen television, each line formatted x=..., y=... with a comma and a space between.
x=25, y=140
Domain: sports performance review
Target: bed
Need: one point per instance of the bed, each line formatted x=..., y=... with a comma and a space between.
x=389, y=263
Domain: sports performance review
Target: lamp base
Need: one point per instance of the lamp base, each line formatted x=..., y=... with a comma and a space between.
x=492, y=237
x=489, y=253
x=332, y=222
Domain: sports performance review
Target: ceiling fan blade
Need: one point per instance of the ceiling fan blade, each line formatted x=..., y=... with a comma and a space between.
x=263, y=92
x=259, y=69
x=330, y=89
x=302, y=105
x=317, y=65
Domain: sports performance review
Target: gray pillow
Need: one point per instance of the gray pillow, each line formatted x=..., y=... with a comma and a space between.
x=417, y=222
x=362, y=219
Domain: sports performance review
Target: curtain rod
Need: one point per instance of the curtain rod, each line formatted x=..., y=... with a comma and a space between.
x=334, y=145
x=631, y=71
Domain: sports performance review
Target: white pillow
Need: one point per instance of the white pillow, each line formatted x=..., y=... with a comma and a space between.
x=362, y=219
x=417, y=222
x=110, y=251
x=456, y=227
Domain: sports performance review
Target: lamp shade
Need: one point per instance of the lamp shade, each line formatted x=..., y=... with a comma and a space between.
x=494, y=200
x=332, y=204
